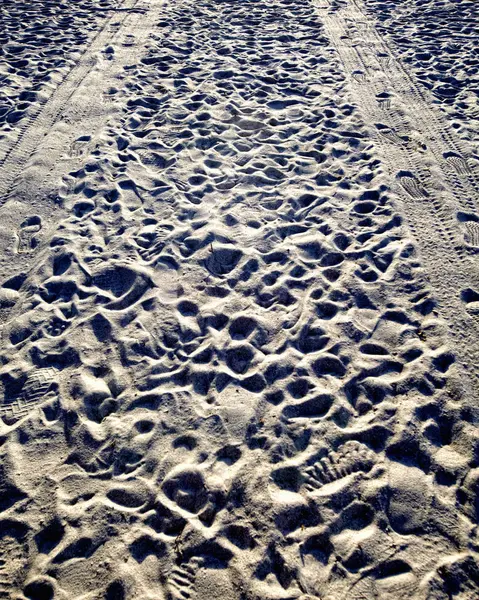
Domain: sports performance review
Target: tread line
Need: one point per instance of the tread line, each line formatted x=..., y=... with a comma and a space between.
x=430, y=208
x=39, y=123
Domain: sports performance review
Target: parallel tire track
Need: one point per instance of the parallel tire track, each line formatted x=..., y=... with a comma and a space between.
x=433, y=187
x=39, y=123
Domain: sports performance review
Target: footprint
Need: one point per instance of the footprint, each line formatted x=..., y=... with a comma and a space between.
x=385, y=103
x=186, y=487
x=8, y=297
x=56, y=327
x=131, y=498
x=368, y=547
x=390, y=135
x=458, y=163
x=121, y=286
x=352, y=457
x=411, y=185
x=314, y=408
x=109, y=52
x=129, y=40
x=26, y=234
x=222, y=259
x=239, y=358
x=36, y=388
x=116, y=280
x=471, y=233
x=359, y=76
x=454, y=577
x=152, y=241
x=13, y=556
x=409, y=499
x=471, y=298
x=181, y=582
x=80, y=147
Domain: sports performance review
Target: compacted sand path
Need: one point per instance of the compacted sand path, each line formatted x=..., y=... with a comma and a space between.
x=239, y=312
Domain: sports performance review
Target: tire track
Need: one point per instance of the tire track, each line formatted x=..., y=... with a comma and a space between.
x=60, y=139
x=416, y=147
x=38, y=125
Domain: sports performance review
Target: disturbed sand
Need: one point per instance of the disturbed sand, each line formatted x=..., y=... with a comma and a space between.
x=239, y=302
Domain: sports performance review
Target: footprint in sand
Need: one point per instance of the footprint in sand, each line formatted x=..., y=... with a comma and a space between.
x=471, y=234
x=37, y=388
x=411, y=185
x=27, y=241
x=458, y=163
x=13, y=555
x=8, y=297
x=181, y=582
x=352, y=457
x=81, y=146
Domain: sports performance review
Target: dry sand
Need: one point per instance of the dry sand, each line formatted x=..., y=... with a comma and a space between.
x=239, y=302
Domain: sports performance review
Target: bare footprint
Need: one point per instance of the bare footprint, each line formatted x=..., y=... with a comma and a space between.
x=26, y=234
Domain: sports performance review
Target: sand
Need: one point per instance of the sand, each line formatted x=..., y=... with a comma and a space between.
x=239, y=302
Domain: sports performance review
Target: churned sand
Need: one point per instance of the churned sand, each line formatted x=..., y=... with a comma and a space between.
x=239, y=302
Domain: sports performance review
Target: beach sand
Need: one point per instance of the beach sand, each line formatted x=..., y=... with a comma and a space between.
x=239, y=300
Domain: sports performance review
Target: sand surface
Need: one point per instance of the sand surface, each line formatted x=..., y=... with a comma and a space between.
x=239, y=300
